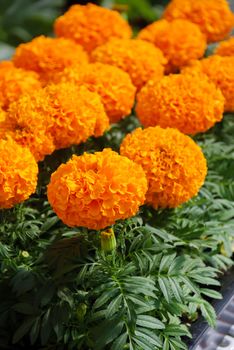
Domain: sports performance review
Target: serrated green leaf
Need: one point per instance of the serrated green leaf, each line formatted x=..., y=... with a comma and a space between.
x=165, y=288
x=208, y=313
x=149, y=322
x=120, y=342
x=211, y=293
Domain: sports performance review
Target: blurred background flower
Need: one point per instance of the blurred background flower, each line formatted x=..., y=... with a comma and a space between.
x=21, y=20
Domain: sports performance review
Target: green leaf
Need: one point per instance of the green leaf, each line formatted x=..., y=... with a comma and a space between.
x=142, y=342
x=211, y=293
x=120, y=342
x=149, y=322
x=114, y=306
x=24, y=308
x=166, y=262
x=105, y=297
x=35, y=330
x=165, y=288
x=49, y=223
x=46, y=327
x=176, y=289
x=148, y=335
x=177, y=330
x=106, y=332
x=23, y=329
x=208, y=313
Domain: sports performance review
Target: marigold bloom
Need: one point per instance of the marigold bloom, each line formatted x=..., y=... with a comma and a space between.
x=77, y=114
x=219, y=70
x=27, y=122
x=14, y=82
x=179, y=40
x=112, y=84
x=18, y=173
x=57, y=116
x=48, y=56
x=2, y=116
x=95, y=190
x=226, y=48
x=174, y=164
x=214, y=17
x=140, y=59
x=91, y=25
x=190, y=104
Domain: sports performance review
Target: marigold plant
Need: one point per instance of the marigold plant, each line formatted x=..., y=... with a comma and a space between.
x=91, y=25
x=18, y=173
x=76, y=114
x=14, y=82
x=48, y=56
x=214, y=17
x=188, y=103
x=174, y=164
x=226, y=48
x=219, y=70
x=140, y=59
x=112, y=84
x=95, y=190
x=27, y=122
x=179, y=40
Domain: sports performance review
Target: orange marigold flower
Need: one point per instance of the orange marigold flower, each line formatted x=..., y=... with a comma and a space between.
x=174, y=164
x=14, y=82
x=226, y=48
x=112, y=84
x=95, y=190
x=48, y=56
x=77, y=114
x=219, y=70
x=27, y=122
x=18, y=173
x=140, y=59
x=2, y=117
x=190, y=104
x=180, y=41
x=214, y=17
x=91, y=25
x=57, y=116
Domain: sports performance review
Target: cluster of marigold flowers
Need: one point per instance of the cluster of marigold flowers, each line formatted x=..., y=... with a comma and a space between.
x=58, y=92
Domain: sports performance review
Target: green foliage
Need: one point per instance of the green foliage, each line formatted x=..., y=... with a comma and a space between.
x=21, y=20
x=138, y=12
x=59, y=290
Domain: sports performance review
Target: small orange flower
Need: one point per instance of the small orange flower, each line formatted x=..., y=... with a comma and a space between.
x=77, y=114
x=174, y=164
x=57, y=116
x=190, y=104
x=27, y=122
x=112, y=84
x=18, y=173
x=180, y=41
x=14, y=82
x=219, y=70
x=95, y=190
x=214, y=17
x=140, y=59
x=91, y=25
x=48, y=56
x=226, y=48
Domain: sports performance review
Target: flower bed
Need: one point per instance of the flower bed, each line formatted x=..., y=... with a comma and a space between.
x=121, y=241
